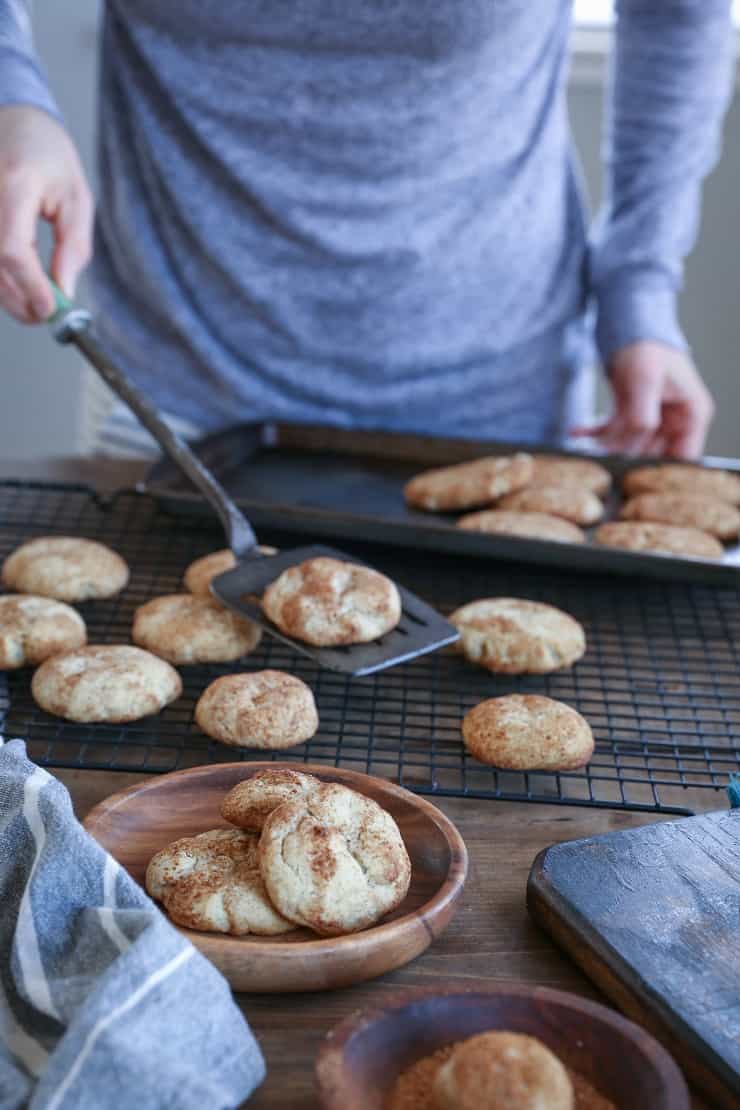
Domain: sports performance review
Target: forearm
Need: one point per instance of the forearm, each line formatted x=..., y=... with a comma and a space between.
x=22, y=80
x=671, y=76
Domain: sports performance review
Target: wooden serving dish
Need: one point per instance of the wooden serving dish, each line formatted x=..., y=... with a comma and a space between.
x=134, y=824
x=362, y=1057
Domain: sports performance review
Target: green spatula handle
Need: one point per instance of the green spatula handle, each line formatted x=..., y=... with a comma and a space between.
x=62, y=302
x=66, y=319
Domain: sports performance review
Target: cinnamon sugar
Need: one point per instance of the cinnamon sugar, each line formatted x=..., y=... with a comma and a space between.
x=586, y=1096
x=413, y=1090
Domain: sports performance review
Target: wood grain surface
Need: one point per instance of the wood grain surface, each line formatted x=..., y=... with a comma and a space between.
x=491, y=940
x=360, y=1060
x=136, y=822
x=652, y=915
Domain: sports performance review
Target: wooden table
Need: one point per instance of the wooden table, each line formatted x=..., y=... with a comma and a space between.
x=491, y=939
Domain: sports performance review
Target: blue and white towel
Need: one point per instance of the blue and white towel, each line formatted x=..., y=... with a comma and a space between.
x=102, y=1002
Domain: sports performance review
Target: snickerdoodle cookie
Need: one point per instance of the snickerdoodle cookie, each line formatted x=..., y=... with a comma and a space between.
x=33, y=628
x=508, y=1071
x=212, y=882
x=683, y=478
x=327, y=602
x=199, y=574
x=187, y=629
x=638, y=535
x=334, y=860
x=552, y=470
x=468, y=484
x=527, y=732
x=249, y=803
x=514, y=636
x=536, y=526
x=580, y=506
x=112, y=682
x=688, y=510
x=261, y=709
x=65, y=568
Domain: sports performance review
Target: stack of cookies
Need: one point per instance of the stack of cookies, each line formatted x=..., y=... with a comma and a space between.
x=303, y=853
x=669, y=508
x=541, y=497
x=676, y=509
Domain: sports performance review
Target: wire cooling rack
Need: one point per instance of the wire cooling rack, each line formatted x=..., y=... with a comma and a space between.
x=658, y=683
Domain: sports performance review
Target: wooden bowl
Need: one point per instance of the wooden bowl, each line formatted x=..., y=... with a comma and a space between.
x=135, y=823
x=362, y=1056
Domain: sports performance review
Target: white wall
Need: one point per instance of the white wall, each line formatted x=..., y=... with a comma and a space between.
x=710, y=302
x=42, y=399
x=43, y=408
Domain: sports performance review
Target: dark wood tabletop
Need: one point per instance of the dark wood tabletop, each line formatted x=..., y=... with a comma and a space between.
x=490, y=940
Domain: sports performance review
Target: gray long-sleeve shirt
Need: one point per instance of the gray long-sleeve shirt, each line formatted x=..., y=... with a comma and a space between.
x=368, y=212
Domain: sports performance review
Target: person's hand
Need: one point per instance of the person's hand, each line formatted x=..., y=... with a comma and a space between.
x=661, y=404
x=40, y=177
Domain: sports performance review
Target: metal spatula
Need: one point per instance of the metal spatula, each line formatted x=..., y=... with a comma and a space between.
x=421, y=628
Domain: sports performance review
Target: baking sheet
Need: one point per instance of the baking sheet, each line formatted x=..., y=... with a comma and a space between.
x=348, y=484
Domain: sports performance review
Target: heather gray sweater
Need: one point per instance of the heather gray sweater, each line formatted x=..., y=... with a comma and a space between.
x=367, y=211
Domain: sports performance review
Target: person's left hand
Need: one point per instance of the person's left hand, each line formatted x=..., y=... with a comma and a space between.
x=661, y=404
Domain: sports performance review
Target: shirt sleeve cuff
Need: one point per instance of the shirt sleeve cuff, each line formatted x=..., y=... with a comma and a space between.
x=636, y=306
x=22, y=82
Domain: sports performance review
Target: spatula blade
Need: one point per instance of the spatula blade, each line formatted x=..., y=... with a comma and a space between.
x=421, y=628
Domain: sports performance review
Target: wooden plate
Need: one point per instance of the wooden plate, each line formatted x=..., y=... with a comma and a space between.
x=135, y=823
x=362, y=1057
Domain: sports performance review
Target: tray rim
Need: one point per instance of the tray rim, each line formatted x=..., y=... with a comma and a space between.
x=420, y=926
x=434, y=534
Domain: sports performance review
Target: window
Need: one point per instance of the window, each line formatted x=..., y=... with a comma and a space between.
x=599, y=13
x=593, y=12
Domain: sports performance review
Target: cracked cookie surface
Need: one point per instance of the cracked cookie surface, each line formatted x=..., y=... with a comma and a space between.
x=515, y=636
x=683, y=478
x=510, y=522
x=465, y=485
x=334, y=861
x=687, y=510
x=327, y=602
x=580, y=506
x=527, y=732
x=212, y=882
x=66, y=568
x=261, y=709
x=511, y=1071
x=105, y=682
x=250, y=803
x=34, y=628
x=555, y=470
x=200, y=573
x=645, y=535
x=186, y=629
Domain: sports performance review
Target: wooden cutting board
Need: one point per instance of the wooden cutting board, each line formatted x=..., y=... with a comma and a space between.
x=652, y=915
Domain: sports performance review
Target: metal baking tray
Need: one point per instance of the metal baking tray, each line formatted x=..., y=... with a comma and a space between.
x=348, y=484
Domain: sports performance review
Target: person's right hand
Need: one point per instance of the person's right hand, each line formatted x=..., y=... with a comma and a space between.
x=40, y=178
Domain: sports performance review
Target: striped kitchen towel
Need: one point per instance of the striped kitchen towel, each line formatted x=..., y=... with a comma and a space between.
x=102, y=1002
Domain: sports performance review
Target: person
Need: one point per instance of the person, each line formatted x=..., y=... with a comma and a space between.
x=370, y=213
